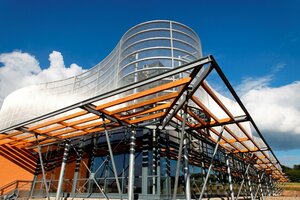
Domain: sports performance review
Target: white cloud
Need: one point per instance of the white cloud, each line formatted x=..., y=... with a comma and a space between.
x=249, y=84
x=275, y=110
x=22, y=69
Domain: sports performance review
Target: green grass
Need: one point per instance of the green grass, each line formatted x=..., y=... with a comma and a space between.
x=292, y=186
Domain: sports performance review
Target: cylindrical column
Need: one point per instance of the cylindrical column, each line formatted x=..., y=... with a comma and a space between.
x=168, y=166
x=77, y=166
x=229, y=177
x=250, y=185
x=242, y=184
x=113, y=161
x=34, y=180
x=62, y=171
x=259, y=186
x=181, y=136
x=154, y=161
x=145, y=162
x=158, y=164
x=267, y=186
x=186, y=168
x=211, y=162
x=131, y=165
x=42, y=167
x=202, y=152
x=92, y=152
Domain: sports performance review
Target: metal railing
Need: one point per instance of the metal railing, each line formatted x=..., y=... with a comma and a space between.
x=18, y=188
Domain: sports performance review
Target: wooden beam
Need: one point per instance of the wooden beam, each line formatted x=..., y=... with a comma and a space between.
x=60, y=119
x=92, y=124
x=8, y=135
x=146, y=118
x=146, y=111
x=204, y=108
x=144, y=93
x=80, y=121
x=145, y=103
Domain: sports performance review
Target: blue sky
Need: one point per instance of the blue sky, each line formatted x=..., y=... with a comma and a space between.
x=253, y=41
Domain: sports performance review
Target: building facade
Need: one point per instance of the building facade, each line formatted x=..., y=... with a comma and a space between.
x=144, y=123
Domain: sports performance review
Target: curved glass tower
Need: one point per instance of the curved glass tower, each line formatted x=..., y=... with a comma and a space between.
x=145, y=50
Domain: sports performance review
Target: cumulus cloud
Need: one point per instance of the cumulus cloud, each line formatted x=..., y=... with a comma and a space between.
x=19, y=69
x=274, y=109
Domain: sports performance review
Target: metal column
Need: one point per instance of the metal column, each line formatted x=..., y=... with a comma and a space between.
x=112, y=161
x=182, y=135
x=271, y=186
x=229, y=177
x=62, y=171
x=154, y=162
x=106, y=173
x=186, y=168
x=131, y=165
x=259, y=186
x=203, y=166
x=42, y=167
x=250, y=186
x=77, y=166
x=246, y=172
x=168, y=168
x=91, y=163
x=33, y=182
x=211, y=163
x=158, y=186
x=145, y=162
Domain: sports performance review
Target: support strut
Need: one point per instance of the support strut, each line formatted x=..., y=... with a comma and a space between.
x=62, y=171
x=211, y=163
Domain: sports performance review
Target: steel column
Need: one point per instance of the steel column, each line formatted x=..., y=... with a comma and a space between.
x=62, y=171
x=250, y=186
x=145, y=162
x=131, y=165
x=168, y=175
x=92, y=175
x=77, y=166
x=211, y=162
x=154, y=161
x=42, y=167
x=106, y=174
x=180, y=151
x=229, y=177
x=267, y=184
x=33, y=182
x=113, y=161
x=259, y=186
x=186, y=168
x=246, y=172
x=271, y=186
x=203, y=166
x=91, y=162
x=158, y=186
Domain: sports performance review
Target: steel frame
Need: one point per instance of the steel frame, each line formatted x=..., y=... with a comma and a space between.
x=161, y=108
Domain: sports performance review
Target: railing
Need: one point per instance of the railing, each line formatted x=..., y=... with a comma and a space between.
x=21, y=188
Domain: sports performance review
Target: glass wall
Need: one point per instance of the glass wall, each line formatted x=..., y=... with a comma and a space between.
x=146, y=50
x=154, y=168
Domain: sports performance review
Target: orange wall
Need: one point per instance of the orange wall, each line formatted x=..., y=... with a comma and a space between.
x=10, y=172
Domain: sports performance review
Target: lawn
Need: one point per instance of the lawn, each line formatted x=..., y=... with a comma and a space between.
x=292, y=186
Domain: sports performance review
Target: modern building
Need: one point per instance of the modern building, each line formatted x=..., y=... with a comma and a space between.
x=144, y=123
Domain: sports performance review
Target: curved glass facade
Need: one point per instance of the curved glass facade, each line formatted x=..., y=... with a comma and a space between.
x=144, y=51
